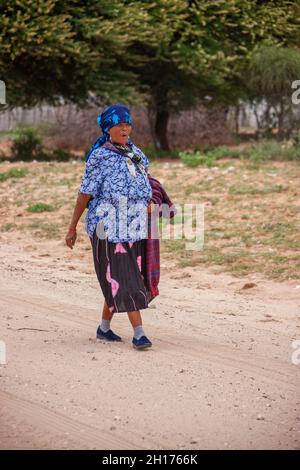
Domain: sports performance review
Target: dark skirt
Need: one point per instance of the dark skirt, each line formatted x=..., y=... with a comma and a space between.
x=121, y=272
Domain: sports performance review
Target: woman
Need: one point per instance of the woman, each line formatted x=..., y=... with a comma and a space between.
x=116, y=189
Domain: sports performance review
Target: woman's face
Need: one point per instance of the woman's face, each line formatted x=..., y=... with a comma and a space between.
x=120, y=132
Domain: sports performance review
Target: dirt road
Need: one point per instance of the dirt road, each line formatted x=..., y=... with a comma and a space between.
x=219, y=374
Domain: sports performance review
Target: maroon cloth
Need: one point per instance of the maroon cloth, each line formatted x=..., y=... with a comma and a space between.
x=159, y=196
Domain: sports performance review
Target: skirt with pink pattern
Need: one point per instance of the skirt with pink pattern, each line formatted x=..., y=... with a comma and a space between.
x=120, y=269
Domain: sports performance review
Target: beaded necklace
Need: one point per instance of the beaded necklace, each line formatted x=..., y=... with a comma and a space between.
x=131, y=159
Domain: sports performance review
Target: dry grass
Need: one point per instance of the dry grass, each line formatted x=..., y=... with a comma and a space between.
x=251, y=211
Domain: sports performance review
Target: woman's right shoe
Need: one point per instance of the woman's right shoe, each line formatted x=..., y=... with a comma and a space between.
x=141, y=343
x=109, y=335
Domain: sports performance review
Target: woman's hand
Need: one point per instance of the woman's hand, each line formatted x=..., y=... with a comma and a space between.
x=71, y=238
x=81, y=203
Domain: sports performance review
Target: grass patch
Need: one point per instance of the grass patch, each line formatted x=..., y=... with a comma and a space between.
x=274, y=150
x=192, y=160
x=253, y=155
x=246, y=189
x=44, y=229
x=40, y=207
x=251, y=217
x=13, y=173
x=191, y=189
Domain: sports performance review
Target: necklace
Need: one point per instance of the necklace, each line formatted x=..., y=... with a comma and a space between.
x=134, y=156
x=131, y=158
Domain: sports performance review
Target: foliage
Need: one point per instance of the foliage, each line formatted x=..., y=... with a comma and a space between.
x=170, y=54
x=270, y=74
x=27, y=146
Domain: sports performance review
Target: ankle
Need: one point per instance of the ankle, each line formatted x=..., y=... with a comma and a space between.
x=105, y=325
x=138, y=332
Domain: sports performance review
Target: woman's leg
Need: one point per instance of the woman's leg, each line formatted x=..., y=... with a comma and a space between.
x=106, y=313
x=106, y=318
x=135, y=318
x=139, y=338
x=104, y=330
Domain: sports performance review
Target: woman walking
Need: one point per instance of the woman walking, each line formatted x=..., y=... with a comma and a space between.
x=116, y=189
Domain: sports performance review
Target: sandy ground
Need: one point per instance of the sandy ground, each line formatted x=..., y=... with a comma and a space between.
x=219, y=374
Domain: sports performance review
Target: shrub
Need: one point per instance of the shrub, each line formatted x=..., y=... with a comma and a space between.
x=153, y=153
x=262, y=151
x=198, y=158
x=274, y=150
x=26, y=145
x=61, y=155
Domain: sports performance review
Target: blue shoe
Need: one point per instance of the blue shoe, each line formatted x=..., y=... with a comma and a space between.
x=109, y=335
x=141, y=343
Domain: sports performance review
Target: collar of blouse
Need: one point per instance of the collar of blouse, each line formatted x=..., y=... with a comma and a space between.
x=131, y=158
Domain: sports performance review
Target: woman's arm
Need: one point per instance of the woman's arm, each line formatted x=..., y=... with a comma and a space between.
x=90, y=185
x=81, y=203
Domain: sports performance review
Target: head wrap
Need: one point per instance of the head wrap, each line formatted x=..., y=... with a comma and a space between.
x=110, y=116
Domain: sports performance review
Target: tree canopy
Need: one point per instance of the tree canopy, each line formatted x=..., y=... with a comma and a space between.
x=167, y=54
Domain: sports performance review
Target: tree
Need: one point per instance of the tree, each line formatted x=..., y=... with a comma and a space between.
x=52, y=50
x=190, y=52
x=169, y=54
x=270, y=74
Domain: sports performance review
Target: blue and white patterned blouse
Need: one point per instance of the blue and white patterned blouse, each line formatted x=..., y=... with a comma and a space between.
x=117, y=195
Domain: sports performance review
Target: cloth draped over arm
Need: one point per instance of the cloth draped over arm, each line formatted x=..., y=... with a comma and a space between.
x=159, y=197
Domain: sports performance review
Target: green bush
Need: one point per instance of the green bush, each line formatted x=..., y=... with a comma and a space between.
x=2, y=156
x=208, y=156
x=224, y=152
x=26, y=145
x=274, y=150
x=262, y=151
x=198, y=158
x=61, y=155
x=153, y=153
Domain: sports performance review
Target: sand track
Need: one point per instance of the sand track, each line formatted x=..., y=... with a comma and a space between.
x=219, y=374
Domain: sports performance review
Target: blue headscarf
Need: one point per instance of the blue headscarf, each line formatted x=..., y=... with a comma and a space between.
x=110, y=116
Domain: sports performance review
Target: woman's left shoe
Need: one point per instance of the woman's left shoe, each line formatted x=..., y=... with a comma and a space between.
x=109, y=335
x=141, y=343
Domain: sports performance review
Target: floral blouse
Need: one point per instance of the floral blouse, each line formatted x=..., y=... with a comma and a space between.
x=120, y=199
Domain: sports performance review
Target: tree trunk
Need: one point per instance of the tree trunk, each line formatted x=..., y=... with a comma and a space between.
x=151, y=120
x=236, y=118
x=161, y=129
x=281, y=133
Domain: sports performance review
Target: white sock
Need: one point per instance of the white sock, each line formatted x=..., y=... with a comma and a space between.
x=138, y=332
x=105, y=325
